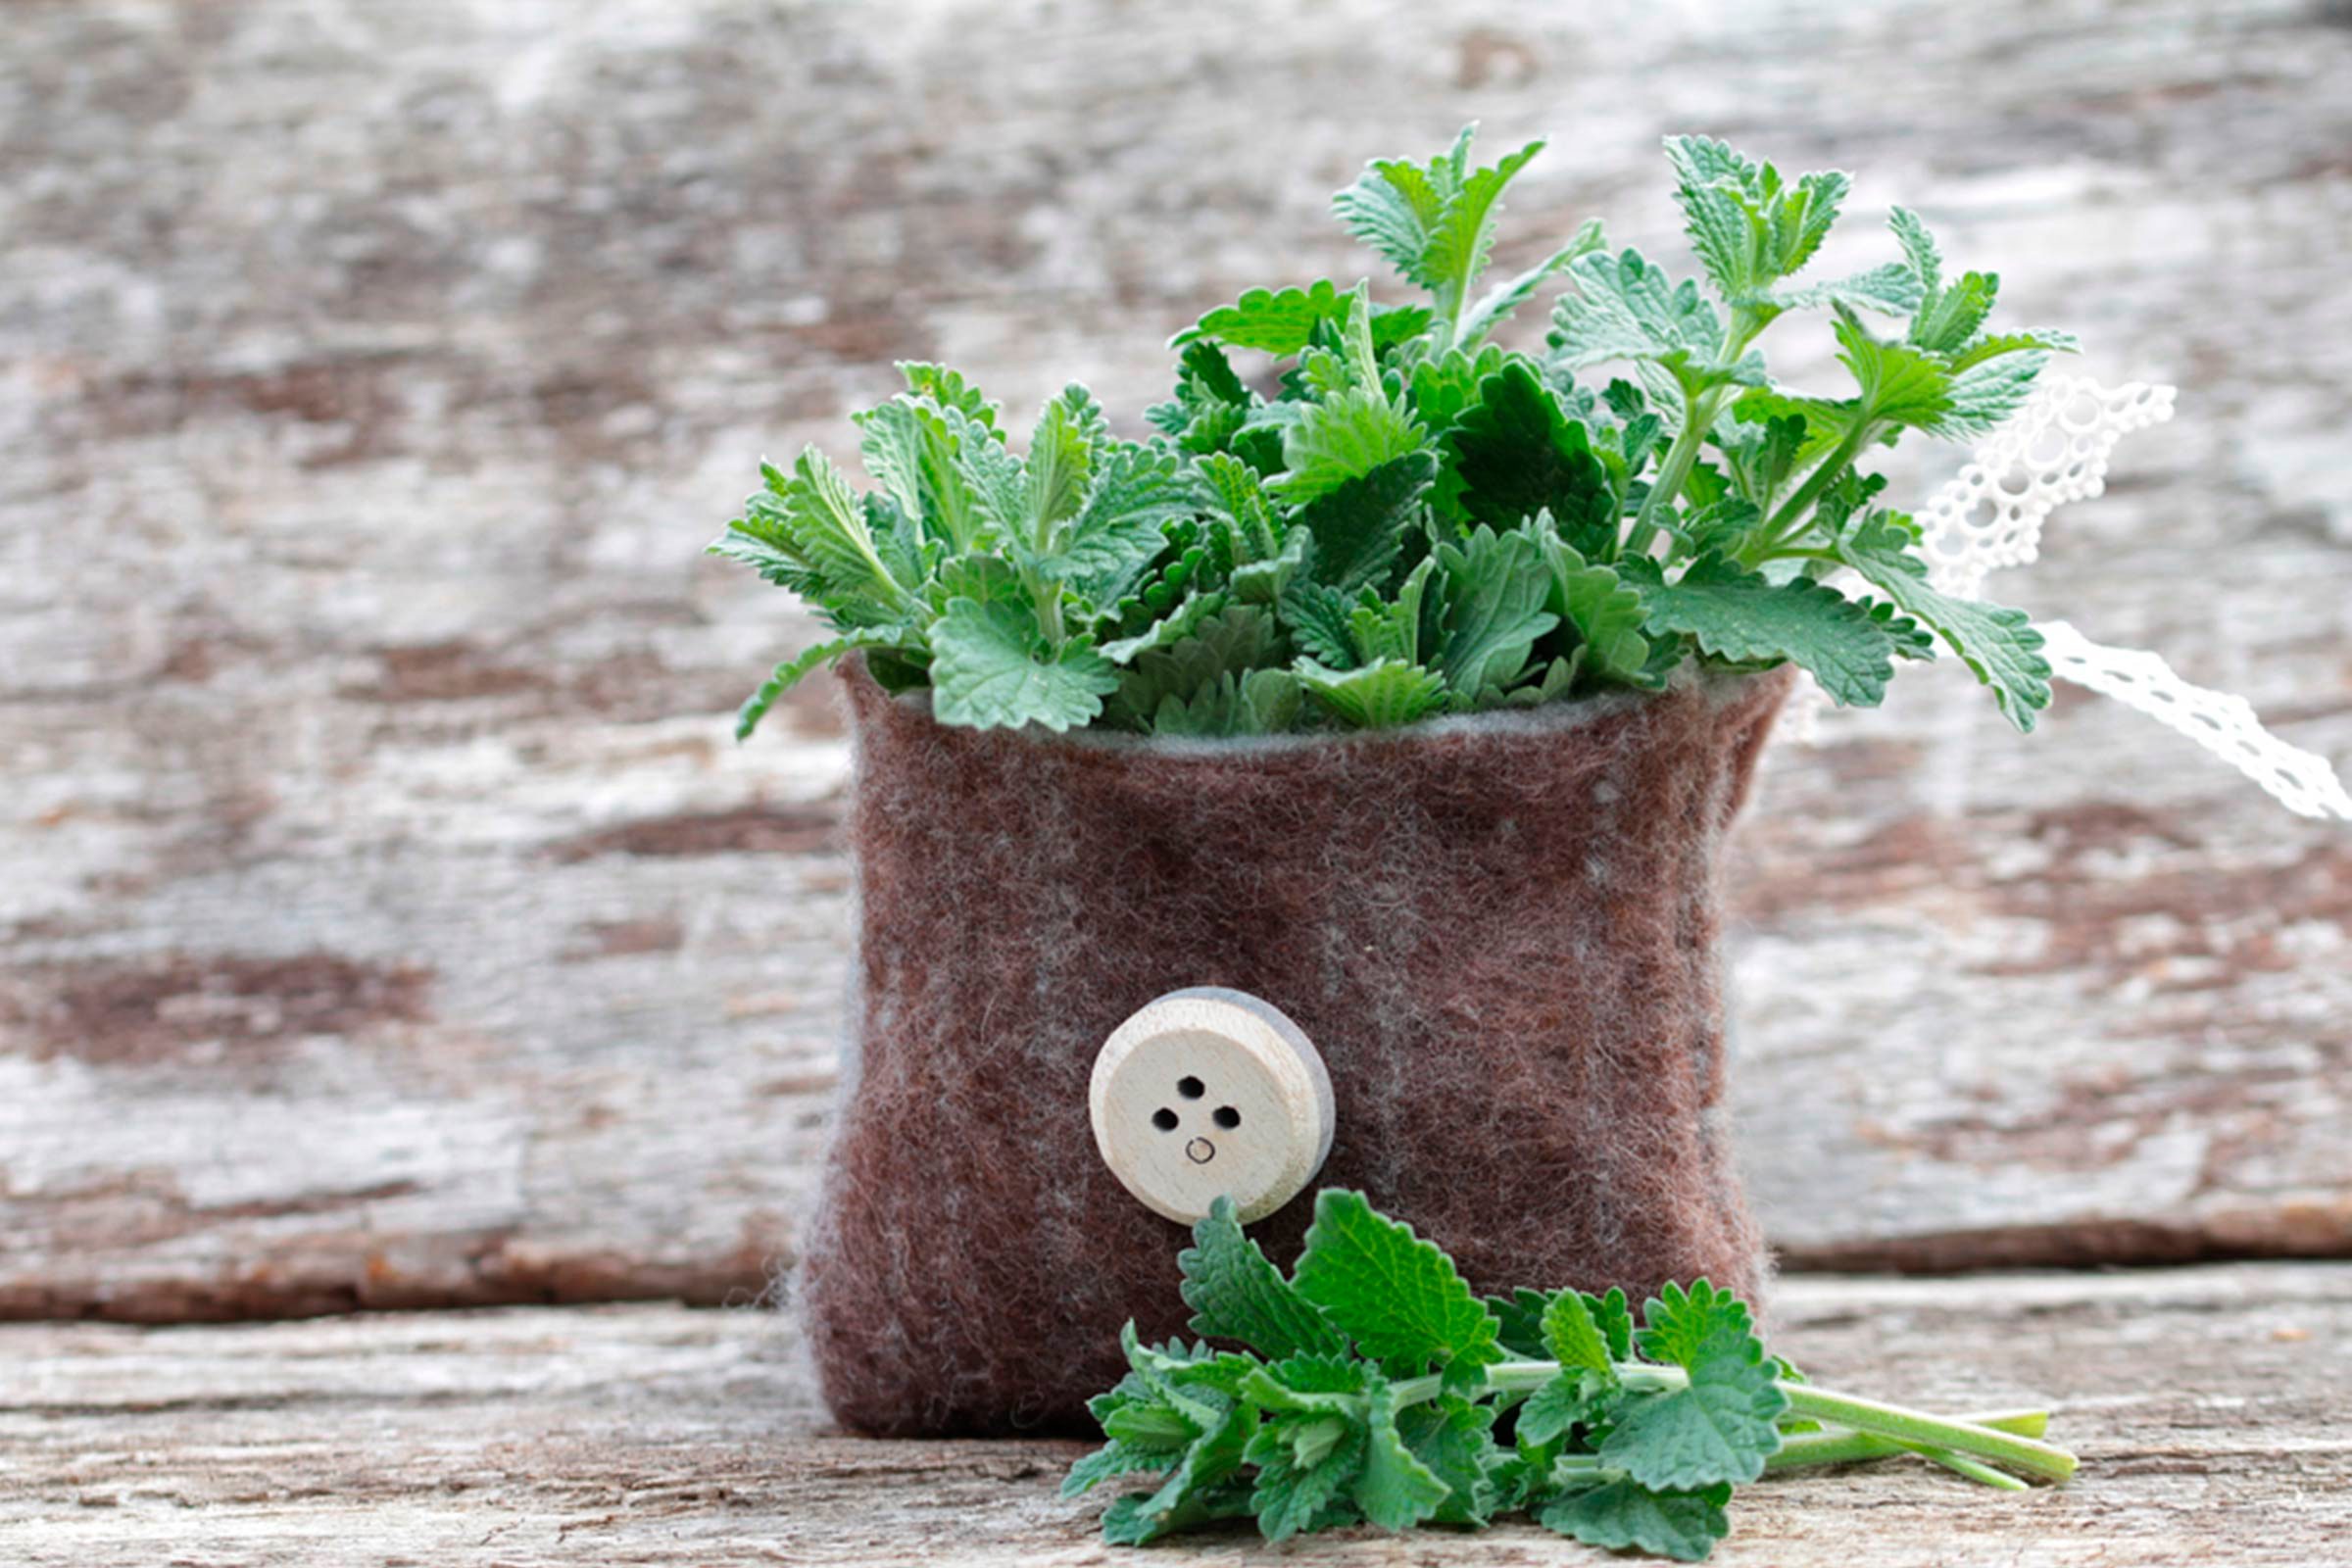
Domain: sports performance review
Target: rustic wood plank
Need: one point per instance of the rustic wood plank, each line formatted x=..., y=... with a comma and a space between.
x=388, y=920
x=2212, y=1407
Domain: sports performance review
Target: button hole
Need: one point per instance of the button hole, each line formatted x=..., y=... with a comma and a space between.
x=1190, y=1088
x=1164, y=1119
x=1227, y=1118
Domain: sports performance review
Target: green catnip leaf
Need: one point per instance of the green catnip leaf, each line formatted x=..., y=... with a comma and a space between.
x=1741, y=617
x=992, y=668
x=1720, y=1427
x=1996, y=643
x=1343, y=439
x=790, y=673
x=1496, y=588
x=949, y=390
x=1557, y=1406
x=1574, y=1337
x=1275, y=323
x=1454, y=1437
x=1620, y=1514
x=1292, y=1491
x=1395, y=1488
x=1516, y=451
x=1361, y=525
x=1396, y=1295
x=1110, y=1461
x=1377, y=696
x=1606, y=612
x=1235, y=1294
x=827, y=528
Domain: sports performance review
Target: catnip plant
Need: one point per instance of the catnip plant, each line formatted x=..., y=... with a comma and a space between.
x=1373, y=1386
x=1353, y=515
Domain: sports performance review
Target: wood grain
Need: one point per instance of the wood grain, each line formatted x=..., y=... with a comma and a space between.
x=2211, y=1408
x=387, y=920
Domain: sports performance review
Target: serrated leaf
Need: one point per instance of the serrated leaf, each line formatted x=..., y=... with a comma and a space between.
x=949, y=390
x=793, y=670
x=1172, y=628
x=1228, y=641
x=1499, y=302
x=1743, y=618
x=1464, y=231
x=1996, y=643
x=1496, y=589
x=1289, y=1492
x=910, y=451
x=828, y=529
x=1900, y=384
x=1319, y=620
x=1453, y=1439
x=1621, y=1514
x=1264, y=702
x=1711, y=182
x=1235, y=1294
x=1061, y=463
x=1395, y=1488
x=1983, y=394
x=1519, y=1322
x=1606, y=613
x=1111, y=1460
x=1892, y=290
x=1341, y=439
x=1721, y=1427
x=1555, y=1407
x=1443, y=387
x=1920, y=250
x=1276, y=323
x=1235, y=495
x=1311, y=1385
x=1122, y=525
x=1623, y=308
x=1392, y=206
x=995, y=478
x=1383, y=629
x=1517, y=453
x=1615, y=1318
x=1376, y=696
x=1574, y=1338
x=990, y=669
x=1359, y=527
x=1398, y=1297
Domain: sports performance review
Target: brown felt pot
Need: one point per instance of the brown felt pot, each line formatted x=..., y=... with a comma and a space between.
x=1501, y=931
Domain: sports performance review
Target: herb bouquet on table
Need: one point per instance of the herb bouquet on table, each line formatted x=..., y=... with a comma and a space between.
x=1398, y=689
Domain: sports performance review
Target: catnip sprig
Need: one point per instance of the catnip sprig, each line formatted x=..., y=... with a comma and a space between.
x=1376, y=1388
x=1400, y=516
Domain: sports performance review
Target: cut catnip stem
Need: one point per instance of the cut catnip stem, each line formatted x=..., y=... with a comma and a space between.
x=2029, y=1457
x=1840, y=1445
x=2042, y=1462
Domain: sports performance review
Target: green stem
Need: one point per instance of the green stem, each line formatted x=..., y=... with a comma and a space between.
x=1699, y=417
x=1841, y=1446
x=1905, y=1428
x=1784, y=524
x=2026, y=1455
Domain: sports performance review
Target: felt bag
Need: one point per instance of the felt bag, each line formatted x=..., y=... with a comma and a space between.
x=1499, y=930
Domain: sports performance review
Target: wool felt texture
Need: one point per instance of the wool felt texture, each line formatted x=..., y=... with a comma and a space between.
x=1501, y=931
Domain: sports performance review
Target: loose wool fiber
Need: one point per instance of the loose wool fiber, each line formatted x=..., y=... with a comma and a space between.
x=1501, y=931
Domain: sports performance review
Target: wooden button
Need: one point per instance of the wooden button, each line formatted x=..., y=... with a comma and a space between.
x=1207, y=1093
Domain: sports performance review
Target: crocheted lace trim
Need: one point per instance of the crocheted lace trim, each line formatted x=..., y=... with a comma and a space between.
x=1989, y=517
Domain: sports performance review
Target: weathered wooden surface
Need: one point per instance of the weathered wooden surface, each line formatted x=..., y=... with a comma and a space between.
x=2211, y=1408
x=387, y=919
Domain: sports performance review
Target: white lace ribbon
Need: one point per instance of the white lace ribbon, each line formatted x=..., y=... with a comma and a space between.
x=1989, y=515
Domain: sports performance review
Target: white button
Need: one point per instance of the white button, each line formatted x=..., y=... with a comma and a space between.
x=1210, y=1092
